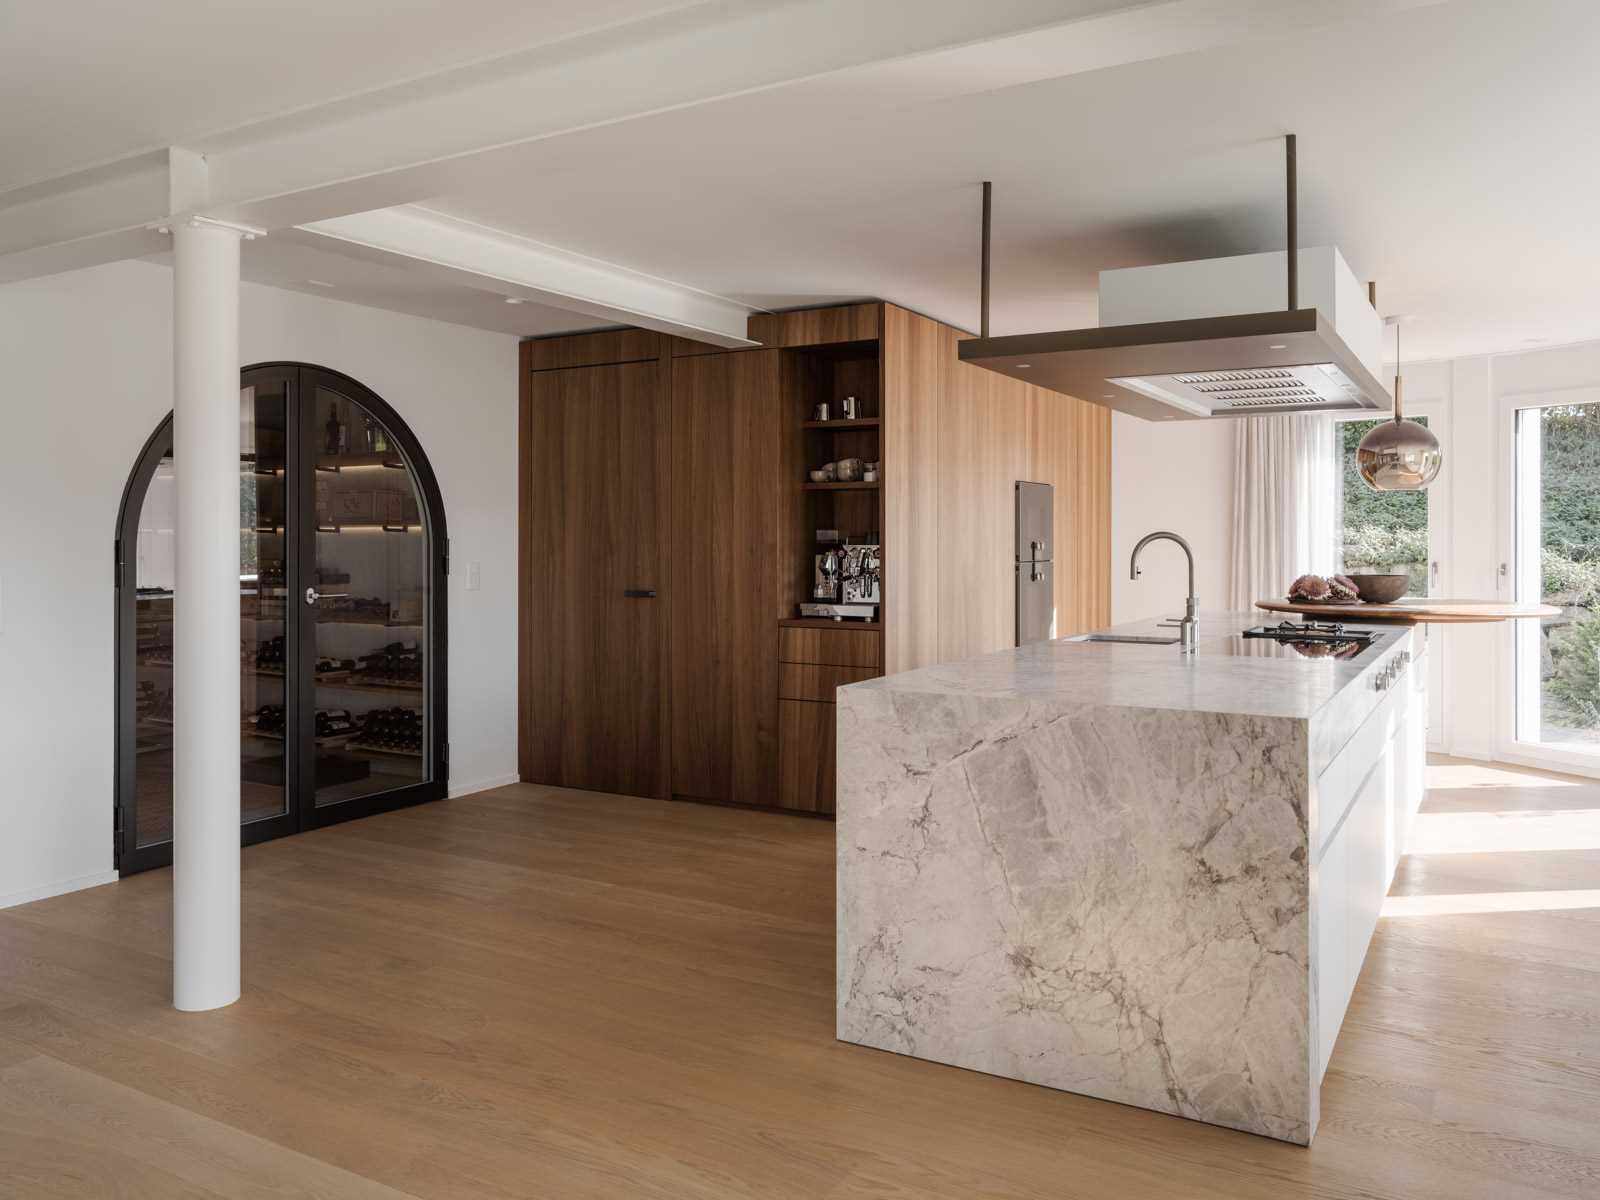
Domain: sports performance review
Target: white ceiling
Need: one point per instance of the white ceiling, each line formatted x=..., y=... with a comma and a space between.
x=90, y=80
x=1446, y=150
x=1449, y=152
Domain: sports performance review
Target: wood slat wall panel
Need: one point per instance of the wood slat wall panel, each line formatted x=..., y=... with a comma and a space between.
x=1069, y=443
x=912, y=369
x=956, y=440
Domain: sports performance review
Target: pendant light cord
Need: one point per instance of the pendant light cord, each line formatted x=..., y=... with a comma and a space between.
x=1397, y=417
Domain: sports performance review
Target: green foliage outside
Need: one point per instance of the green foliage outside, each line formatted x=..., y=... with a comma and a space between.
x=1570, y=518
x=1382, y=530
x=1389, y=530
x=1573, y=689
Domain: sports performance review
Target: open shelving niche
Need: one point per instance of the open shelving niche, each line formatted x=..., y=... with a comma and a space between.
x=832, y=372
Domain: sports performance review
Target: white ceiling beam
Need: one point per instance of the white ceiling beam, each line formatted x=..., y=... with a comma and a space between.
x=467, y=254
x=461, y=129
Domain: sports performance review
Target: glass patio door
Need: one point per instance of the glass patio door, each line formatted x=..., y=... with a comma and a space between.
x=1555, y=559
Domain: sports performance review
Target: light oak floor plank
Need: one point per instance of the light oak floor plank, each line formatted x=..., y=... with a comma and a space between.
x=536, y=992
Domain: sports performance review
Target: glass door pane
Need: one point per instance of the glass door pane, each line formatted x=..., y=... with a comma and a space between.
x=1381, y=531
x=1557, y=556
x=263, y=594
x=367, y=604
x=263, y=795
x=155, y=574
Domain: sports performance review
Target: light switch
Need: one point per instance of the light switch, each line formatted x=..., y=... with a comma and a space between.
x=474, y=576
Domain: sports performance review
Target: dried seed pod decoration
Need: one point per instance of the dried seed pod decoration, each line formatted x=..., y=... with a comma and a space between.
x=1342, y=587
x=1309, y=587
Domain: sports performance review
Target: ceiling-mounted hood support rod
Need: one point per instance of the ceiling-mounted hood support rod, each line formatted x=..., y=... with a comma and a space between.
x=983, y=297
x=1285, y=360
x=1294, y=220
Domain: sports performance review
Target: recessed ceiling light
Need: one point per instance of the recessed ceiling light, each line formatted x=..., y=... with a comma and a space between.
x=1023, y=366
x=1108, y=395
x=319, y=283
x=515, y=300
x=1278, y=346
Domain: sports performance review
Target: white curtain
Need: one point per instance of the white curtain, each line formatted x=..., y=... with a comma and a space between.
x=1285, y=504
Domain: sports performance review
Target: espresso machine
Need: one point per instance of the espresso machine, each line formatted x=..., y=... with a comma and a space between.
x=847, y=581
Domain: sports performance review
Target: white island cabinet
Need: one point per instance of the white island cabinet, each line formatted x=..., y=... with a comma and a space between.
x=1124, y=871
x=1365, y=800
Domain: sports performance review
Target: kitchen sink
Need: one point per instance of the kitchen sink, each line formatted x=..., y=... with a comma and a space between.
x=1134, y=639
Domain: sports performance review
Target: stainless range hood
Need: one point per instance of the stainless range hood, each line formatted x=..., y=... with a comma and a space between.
x=1233, y=366
x=1219, y=358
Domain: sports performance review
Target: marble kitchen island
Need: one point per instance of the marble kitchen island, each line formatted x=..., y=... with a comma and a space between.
x=1122, y=871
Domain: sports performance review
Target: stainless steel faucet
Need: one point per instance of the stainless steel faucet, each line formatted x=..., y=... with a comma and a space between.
x=1186, y=628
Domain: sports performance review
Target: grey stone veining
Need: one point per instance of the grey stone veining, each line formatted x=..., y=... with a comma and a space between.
x=1086, y=866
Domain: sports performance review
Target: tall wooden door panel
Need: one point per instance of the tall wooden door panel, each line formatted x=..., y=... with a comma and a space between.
x=735, y=464
x=591, y=609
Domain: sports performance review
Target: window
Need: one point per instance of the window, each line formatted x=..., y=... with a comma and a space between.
x=1380, y=531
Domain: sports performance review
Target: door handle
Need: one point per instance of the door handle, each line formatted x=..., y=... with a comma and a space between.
x=312, y=595
x=639, y=594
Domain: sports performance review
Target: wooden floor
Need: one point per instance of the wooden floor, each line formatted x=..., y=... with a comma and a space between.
x=531, y=992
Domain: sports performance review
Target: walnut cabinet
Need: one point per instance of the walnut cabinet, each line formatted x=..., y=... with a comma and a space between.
x=668, y=527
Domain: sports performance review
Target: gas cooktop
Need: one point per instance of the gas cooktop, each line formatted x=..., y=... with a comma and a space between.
x=1308, y=639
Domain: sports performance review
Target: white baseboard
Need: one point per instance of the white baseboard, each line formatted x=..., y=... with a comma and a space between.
x=482, y=785
x=59, y=888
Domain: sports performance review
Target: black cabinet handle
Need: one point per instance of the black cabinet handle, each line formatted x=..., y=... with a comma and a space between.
x=639, y=593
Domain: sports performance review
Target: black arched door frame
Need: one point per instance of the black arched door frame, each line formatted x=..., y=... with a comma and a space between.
x=300, y=381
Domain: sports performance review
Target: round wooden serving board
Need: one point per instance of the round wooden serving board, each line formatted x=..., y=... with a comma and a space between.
x=1417, y=612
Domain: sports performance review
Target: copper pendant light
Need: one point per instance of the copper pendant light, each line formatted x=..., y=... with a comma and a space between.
x=1398, y=455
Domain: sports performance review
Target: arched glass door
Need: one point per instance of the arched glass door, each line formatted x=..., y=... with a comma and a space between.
x=371, y=568
x=341, y=616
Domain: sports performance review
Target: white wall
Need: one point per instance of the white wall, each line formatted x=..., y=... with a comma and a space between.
x=1175, y=475
x=88, y=374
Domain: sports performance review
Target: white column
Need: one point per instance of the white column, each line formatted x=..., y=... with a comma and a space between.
x=205, y=660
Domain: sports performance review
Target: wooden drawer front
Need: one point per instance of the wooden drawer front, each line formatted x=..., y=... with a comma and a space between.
x=811, y=681
x=805, y=755
x=830, y=647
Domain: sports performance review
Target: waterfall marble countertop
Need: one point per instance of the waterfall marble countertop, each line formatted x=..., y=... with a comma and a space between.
x=1093, y=866
x=1226, y=674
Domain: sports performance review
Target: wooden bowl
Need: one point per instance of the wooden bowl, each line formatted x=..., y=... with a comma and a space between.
x=1381, y=589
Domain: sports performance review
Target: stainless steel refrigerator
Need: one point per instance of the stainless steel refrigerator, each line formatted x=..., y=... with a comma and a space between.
x=1035, y=565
